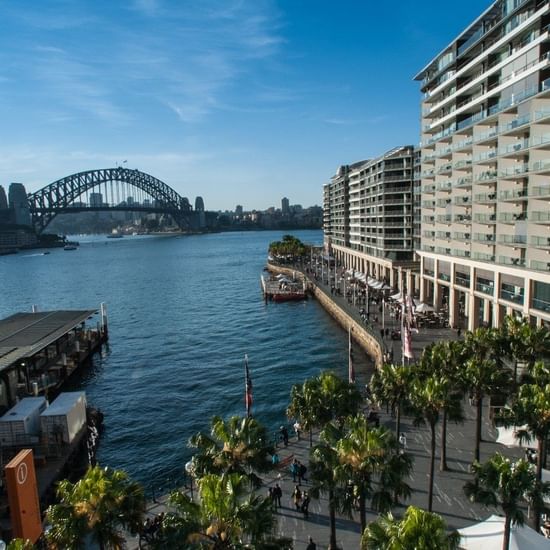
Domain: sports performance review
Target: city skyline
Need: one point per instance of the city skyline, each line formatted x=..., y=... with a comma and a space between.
x=241, y=103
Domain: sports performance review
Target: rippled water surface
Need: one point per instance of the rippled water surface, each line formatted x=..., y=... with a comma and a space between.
x=183, y=311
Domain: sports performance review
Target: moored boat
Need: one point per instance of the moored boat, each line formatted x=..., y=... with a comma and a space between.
x=283, y=289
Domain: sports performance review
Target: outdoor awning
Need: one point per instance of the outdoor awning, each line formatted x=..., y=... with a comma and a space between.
x=508, y=437
x=488, y=535
x=424, y=308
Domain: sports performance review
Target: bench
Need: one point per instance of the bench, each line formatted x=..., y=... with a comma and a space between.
x=285, y=462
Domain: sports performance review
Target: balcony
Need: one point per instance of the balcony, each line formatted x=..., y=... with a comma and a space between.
x=463, y=183
x=541, y=242
x=461, y=164
x=516, y=123
x=445, y=168
x=463, y=218
x=514, y=171
x=464, y=200
x=513, y=240
x=517, y=262
x=485, y=218
x=486, y=156
x=447, y=218
x=462, y=280
x=489, y=135
x=510, y=296
x=485, y=288
x=540, y=217
x=442, y=203
x=461, y=253
x=487, y=176
x=428, y=189
x=428, y=248
x=457, y=236
x=513, y=148
x=538, y=303
x=428, y=204
x=509, y=217
x=445, y=186
x=485, y=198
x=540, y=266
x=541, y=166
x=513, y=195
x=487, y=238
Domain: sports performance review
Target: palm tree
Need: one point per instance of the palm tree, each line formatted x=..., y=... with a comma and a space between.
x=446, y=359
x=306, y=405
x=101, y=505
x=500, y=482
x=484, y=372
x=365, y=452
x=391, y=385
x=328, y=477
x=20, y=544
x=531, y=408
x=321, y=399
x=418, y=529
x=225, y=515
x=429, y=397
x=238, y=445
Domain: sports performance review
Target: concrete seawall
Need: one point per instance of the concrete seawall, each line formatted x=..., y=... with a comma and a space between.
x=368, y=342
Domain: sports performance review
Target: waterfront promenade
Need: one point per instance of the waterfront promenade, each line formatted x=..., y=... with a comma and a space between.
x=449, y=499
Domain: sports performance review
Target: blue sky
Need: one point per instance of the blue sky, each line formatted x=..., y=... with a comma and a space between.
x=242, y=102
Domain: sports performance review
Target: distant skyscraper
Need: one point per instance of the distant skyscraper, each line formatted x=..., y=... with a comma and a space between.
x=239, y=210
x=19, y=204
x=96, y=199
x=285, y=206
x=199, y=204
x=3, y=199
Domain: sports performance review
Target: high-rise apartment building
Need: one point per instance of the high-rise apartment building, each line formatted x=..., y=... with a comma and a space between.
x=19, y=204
x=368, y=217
x=485, y=168
x=285, y=206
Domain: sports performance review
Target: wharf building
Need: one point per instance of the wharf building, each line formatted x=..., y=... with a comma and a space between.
x=485, y=169
x=368, y=217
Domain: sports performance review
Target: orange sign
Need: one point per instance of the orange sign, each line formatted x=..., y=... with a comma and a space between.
x=23, y=496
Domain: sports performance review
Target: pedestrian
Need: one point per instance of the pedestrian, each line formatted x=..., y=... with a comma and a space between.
x=284, y=435
x=294, y=470
x=297, y=497
x=275, y=460
x=311, y=545
x=302, y=471
x=403, y=441
x=297, y=429
x=382, y=333
x=458, y=331
x=305, y=505
x=387, y=333
x=271, y=494
x=278, y=494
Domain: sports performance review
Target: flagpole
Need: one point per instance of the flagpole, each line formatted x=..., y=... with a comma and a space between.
x=351, y=370
x=247, y=387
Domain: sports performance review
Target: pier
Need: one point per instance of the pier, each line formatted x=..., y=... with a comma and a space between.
x=39, y=351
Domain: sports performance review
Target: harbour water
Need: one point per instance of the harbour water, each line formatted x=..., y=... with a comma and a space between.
x=183, y=311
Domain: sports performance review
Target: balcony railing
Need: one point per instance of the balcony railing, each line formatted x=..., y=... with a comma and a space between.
x=481, y=287
x=511, y=296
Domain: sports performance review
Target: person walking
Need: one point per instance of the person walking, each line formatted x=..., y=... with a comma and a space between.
x=305, y=505
x=278, y=494
x=311, y=545
x=297, y=497
x=301, y=472
x=403, y=441
x=294, y=470
x=284, y=435
x=297, y=429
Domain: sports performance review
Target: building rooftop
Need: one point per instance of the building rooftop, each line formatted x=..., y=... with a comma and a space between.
x=24, y=334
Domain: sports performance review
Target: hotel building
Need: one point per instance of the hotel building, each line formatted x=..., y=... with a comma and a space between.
x=485, y=169
x=368, y=217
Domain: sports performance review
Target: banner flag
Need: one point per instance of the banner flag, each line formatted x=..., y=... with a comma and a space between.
x=247, y=387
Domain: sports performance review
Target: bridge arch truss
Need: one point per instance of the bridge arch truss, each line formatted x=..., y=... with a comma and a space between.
x=57, y=197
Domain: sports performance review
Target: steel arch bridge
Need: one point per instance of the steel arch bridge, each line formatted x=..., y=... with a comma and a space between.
x=62, y=196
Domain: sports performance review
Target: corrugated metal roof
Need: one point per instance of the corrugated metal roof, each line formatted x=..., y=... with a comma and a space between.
x=24, y=334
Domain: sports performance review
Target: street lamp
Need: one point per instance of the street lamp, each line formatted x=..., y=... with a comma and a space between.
x=190, y=471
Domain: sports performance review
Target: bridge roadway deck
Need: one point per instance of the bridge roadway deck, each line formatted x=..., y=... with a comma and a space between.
x=449, y=499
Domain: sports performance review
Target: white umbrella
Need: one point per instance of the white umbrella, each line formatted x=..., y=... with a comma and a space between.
x=488, y=535
x=424, y=308
x=508, y=437
x=397, y=296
